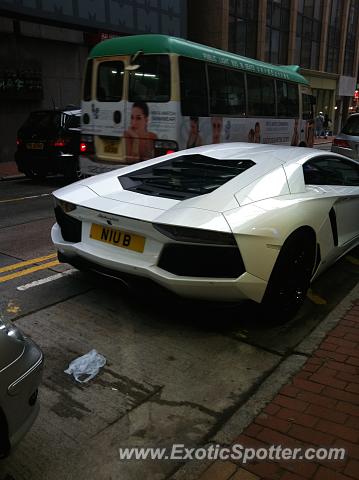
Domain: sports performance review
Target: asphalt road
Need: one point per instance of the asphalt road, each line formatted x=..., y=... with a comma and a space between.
x=175, y=371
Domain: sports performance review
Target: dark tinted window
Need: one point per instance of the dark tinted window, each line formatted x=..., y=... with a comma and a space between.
x=288, y=99
x=193, y=81
x=331, y=171
x=88, y=81
x=261, y=98
x=151, y=82
x=45, y=119
x=352, y=126
x=183, y=177
x=307, y=112
x=109, y=81
x=227, y=92
x=72, y=121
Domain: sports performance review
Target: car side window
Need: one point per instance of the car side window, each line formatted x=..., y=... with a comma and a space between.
x=331, y=171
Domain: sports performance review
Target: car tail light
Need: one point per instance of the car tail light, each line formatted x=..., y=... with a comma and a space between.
x=87, y=144
x=195, y=235
x=164, y=147
x=18, y=141
x=59, y=142
x=338, y=142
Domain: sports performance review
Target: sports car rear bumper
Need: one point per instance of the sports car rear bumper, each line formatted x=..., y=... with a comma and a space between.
x=85, y=255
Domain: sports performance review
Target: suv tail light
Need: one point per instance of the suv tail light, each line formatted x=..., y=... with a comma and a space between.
x=87, y=144
x=59, y=142
x=337, y=142
x=18, y=141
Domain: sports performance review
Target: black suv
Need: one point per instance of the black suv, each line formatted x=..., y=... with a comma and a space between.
x=49, y=142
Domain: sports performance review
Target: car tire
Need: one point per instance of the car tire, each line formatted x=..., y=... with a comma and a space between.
x=290, y=278
x=73, y=172
x=34, y=175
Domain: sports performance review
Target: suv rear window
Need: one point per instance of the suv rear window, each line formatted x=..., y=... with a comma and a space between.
x=44, y=119
x=52, y=120
x=352, y=126
x=184, y=177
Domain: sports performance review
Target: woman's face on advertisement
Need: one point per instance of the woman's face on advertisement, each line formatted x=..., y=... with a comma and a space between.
x=138, y=119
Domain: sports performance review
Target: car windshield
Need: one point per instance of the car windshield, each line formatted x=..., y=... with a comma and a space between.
x=184, y=177
x=352, y=126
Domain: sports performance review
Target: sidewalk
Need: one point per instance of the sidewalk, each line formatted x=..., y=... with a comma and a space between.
x=320, y=141
x=318, y=407
x=9, y=170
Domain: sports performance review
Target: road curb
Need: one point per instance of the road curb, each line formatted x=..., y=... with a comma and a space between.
x=282, y=374
x=12, y=177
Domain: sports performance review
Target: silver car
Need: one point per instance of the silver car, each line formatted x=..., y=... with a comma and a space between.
x=20, y=374
x=347, y=142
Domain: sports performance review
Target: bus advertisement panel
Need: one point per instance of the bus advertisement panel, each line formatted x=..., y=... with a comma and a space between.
x=146, y=95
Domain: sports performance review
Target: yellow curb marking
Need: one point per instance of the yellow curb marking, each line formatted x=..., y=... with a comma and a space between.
x=15, y=266
x=351, y=259
x=316, y=298
x=27, y=271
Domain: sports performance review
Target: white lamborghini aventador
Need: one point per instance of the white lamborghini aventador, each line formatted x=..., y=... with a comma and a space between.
x=220, y=222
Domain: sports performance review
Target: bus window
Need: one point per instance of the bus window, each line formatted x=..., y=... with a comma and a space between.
x=261, y=99
x=287, y=99
x=307, y=109
x=194, y=95
x=151, y=81
x=227, y=92
x=110, y=81
x=88, y=81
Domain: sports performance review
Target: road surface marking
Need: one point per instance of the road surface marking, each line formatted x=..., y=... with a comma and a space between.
x=351, y=259
x=316, y=298
x=18, y=199
x=15, y=266
x=12, y=307
x=27, y=271
x=46, y=280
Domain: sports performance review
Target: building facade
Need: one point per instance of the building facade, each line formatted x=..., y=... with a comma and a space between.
x=44, y=45
x=319, y=35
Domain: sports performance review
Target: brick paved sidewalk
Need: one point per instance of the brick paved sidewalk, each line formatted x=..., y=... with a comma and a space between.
x=319, y=407
x=8, y=169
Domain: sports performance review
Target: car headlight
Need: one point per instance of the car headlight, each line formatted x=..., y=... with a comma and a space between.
x=65, y=206
x=7, y=327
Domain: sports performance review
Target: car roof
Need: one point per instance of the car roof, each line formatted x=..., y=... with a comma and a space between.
x=68, y=111
x=261, y=154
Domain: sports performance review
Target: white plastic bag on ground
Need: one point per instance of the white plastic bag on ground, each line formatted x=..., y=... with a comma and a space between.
x=86, y=366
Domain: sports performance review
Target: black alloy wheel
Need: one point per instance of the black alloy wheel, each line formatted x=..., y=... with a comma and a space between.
x=290, y=278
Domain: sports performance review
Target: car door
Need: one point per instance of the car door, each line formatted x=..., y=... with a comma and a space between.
x=339, y=178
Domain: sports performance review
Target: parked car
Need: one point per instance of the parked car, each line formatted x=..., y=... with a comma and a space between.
x=347, y=142
x=219, y=222
x=49, y=142
x=20, y=374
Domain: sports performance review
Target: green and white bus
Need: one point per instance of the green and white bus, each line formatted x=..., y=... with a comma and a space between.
x=147, y=95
